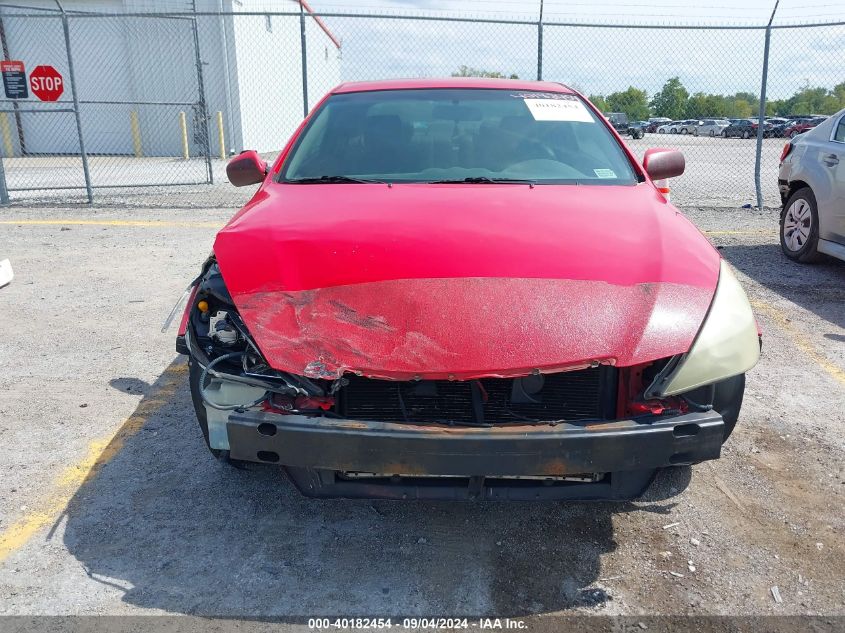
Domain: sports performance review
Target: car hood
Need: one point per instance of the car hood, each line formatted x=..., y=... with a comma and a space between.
x=464, y=281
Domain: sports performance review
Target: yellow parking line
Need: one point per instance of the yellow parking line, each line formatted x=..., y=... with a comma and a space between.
x=141, y=223
x=780, y=318
x=100, y=451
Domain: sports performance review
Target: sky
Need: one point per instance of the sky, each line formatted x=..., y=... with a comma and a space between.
x=665, y=11
x=597, y=60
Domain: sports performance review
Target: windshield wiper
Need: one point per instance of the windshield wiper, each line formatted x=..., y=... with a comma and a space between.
x=483, y=180
x=331, y=180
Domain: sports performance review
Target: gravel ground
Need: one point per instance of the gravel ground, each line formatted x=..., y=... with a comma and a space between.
x=720, y=172
x=160, y=527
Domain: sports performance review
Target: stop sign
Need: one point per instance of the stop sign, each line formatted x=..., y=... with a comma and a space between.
x=46, y=83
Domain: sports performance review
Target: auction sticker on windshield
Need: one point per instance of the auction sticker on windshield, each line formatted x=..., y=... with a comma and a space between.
x=558, y=110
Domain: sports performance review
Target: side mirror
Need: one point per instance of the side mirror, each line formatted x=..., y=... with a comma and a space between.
x=660, y=163
x=246, y=168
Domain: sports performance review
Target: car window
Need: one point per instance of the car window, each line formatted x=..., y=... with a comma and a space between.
x=840, y=131
x=428, y=135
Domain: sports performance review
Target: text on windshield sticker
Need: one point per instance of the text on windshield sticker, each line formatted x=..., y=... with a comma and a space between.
x=558, y=110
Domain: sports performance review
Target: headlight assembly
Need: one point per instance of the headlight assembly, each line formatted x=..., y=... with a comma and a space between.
x=726, y=345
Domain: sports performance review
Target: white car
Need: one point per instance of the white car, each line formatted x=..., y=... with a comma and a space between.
x=690, y=126
x=669, y=128
x=712, y=127
x=812, y=188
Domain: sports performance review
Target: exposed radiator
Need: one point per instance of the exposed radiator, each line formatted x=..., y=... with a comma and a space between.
x=575, y=395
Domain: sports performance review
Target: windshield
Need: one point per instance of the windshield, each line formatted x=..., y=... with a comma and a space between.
x=457, y=135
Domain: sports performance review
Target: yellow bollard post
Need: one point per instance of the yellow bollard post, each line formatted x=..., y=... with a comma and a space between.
x=6, y=132
x=136, y=133
x=183, y=126
x=220, y=137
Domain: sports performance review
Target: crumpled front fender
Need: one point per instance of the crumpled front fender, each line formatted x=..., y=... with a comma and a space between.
x=468, y=328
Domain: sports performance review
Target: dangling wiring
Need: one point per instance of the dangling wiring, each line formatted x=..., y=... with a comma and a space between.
x=252, y=380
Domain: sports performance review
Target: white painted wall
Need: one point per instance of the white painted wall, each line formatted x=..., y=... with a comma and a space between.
x=251, y=69
x=269, y=72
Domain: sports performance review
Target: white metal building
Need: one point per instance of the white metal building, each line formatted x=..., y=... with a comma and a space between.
x=135, y=74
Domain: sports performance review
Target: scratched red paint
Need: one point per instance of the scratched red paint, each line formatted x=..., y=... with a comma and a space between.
x=465, y=280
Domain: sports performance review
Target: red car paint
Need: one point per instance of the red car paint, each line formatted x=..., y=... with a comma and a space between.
x=464, y=280
x=800, y=127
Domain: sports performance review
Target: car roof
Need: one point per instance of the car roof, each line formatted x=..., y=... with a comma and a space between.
x=452, y=82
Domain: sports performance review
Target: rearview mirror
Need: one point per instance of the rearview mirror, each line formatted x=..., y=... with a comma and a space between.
x=246, y=168
x=660, y=163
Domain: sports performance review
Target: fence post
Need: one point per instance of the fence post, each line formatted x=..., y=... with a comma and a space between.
x=540, y=44
x=203, y=106
x=304, y=60
x=85, y=170
x=762, y=113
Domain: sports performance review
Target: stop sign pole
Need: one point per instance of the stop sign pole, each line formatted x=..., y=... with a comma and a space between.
x=84, y=156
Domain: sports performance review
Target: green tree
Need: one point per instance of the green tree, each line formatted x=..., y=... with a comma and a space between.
x=717, y=106
x=819, y=100
x=699, y=105
x=632, y=102
x=671, y=101
x=775, y=107
x=839, y=93
x=469, y=71
x=599, y=102
x=740, y=109
x=750, y=98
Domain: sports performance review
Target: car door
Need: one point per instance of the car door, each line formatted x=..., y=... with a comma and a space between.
x=831, y=202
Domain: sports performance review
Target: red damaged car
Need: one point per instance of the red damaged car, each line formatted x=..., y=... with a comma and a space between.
x=464, y=289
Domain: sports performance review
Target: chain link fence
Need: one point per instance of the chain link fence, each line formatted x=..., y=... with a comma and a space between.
x=154, y=103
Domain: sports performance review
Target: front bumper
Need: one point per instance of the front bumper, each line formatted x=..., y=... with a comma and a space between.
x=424, y=461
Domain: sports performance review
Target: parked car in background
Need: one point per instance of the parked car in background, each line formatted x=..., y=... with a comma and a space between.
x=656, y=122
x=669, y=128
x=711, y=127
x=690, y=126
x=812, y=188
x=801, y=125
x=779, y=127
x=341, y=327
x=745, y=128
x=641, y=125
x=620, y=123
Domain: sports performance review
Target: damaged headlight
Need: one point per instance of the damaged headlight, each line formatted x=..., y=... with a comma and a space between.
x=726, y=345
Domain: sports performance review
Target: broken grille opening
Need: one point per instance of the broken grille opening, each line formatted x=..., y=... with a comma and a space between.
x=587, y=394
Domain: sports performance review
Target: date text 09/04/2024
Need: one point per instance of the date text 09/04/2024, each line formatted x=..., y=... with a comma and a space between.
x=416, y=623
